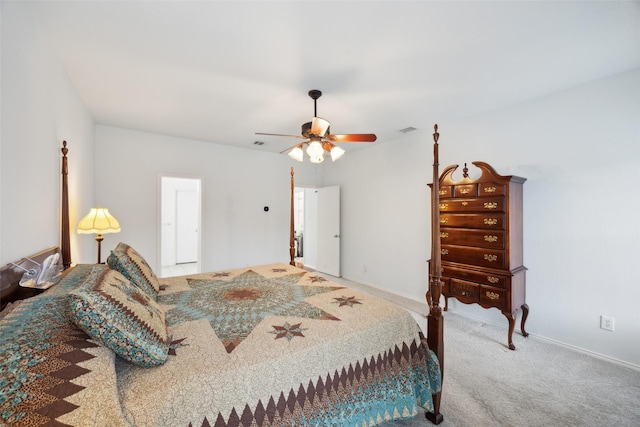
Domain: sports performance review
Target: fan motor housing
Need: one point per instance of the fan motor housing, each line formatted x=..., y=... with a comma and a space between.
x=306, y=131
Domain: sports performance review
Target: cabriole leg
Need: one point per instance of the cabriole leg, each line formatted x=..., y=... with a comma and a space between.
x=512, y=323
x=525, y=314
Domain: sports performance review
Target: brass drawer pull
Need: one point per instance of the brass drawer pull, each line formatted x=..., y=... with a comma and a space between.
x=442, y=192
x=492, y=279
x=444, y=251
x=490, y=205
x=491, y=239
x=444, y=235
x=490, y=258
x=492, y=295
x=490, y=221
x=465, y=203
x=464, y=293
x=465, y=191
x=444, y=220
x=444, y=206
x=490, y=189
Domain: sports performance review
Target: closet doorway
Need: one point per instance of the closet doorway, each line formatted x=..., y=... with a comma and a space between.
x=180, y=224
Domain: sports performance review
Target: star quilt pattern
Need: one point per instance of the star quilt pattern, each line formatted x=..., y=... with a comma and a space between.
x=269, y=345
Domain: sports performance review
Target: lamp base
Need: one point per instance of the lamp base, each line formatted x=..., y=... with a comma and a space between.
x=99, y=239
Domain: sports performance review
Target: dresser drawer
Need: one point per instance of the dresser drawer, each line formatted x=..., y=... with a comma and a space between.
x=465, y=190
x=484, y=204
x=485, y=221
x=446, y=282
x=445, y=191
x=494, y=297
x=464, y=291
x=474, y=256
x=493, y=239
x=489, y=189
x=495, y=280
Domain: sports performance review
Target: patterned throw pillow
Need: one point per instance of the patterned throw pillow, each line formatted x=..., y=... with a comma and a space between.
x=130, y=263
x=121, y=317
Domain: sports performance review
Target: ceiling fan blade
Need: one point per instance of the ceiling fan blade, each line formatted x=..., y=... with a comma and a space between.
x=319, y=126
x=280, y=134
x=353, y=137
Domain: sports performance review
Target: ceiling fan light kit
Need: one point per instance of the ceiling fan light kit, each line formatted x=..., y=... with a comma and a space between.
x=320, y=139
x=296, y=153
x=336, y=152
x=315, y=152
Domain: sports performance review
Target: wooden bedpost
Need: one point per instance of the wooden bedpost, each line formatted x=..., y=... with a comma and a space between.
x=292, y=237
x=65, y=242
x=435, y=328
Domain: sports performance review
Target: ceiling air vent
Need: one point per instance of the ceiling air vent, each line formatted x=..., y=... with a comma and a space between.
x=407, y=130
x=258, y=143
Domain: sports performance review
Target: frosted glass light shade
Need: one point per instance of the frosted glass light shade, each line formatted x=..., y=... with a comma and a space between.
x=315, y=149
x=98, y=221
x=317, y=159
x=297, y=153
x=336, y=153
x=315, y=152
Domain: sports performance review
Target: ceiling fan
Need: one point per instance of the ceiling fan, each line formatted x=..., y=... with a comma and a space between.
x=319, y=138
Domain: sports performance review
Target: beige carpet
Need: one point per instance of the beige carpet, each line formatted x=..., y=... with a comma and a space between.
x=539, y=384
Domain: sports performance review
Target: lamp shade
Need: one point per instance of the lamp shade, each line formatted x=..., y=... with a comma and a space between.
x=336, y=153
x=315, y=152
x=297, y=153
x=98, y=221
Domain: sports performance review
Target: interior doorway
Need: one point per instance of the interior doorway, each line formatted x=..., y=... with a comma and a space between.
x=317, y=228
x=180, y=224
x=298, y=224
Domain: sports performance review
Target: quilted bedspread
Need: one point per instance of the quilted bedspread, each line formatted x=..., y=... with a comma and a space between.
x=262, y=346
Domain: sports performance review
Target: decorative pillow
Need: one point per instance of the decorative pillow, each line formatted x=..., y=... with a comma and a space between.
x=130, y=263
x=120, y=316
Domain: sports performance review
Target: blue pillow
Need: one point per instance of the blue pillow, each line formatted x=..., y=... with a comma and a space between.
x=133, y=266
x=121, y=317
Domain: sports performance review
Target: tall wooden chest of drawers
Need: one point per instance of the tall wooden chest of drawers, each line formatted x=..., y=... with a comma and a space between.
x=481, y=242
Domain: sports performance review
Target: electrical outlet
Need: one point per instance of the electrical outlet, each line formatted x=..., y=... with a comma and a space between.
x=606, y=322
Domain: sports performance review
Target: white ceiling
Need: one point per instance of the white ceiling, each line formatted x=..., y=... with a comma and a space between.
x=219, y=71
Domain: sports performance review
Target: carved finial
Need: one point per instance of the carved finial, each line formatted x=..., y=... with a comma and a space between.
x=465, y=171
x=436, y=135
x=292, y=171
x=64, y=148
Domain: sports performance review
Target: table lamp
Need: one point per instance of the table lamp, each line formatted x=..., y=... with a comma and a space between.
x=99, y=221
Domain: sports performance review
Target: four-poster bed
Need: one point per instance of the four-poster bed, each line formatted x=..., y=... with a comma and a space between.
x=112, y=344
x=435, y=325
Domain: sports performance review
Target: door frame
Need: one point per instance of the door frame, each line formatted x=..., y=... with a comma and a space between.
x=200, y=187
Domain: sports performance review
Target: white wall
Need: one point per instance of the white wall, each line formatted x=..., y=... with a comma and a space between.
x=40, y=109
x=237, y=185
x=580, y=152
x=385, y=231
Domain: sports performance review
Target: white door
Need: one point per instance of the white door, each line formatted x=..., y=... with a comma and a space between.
x=329, y=230
x=186, y=226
